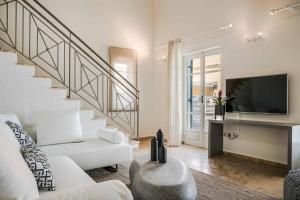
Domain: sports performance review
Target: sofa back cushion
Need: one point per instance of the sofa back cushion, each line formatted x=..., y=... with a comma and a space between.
x=16, y=179
x=58, y=127
x=6, y=130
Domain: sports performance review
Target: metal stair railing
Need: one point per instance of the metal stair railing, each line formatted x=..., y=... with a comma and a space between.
x=39, y=36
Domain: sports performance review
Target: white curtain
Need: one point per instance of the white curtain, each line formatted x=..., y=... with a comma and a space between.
x=175, y=93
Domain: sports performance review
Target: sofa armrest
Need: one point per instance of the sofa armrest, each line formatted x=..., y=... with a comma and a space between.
x=110, y=135
x=108, y=190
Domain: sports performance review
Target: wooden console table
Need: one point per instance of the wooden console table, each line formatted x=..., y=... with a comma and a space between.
x=215, y=137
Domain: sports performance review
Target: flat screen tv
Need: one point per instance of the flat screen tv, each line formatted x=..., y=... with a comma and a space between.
x=263, y=94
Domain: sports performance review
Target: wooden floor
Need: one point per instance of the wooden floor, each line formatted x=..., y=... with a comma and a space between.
x=259, y=176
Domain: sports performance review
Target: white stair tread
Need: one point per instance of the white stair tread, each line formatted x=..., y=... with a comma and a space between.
x=58, y=89
x=101, y=122
x=7, y=51
x=26, y=65
x=60, y=92
x=65, y=105
x=91, y=127
x=38, y=76
x=8, y=57
x=86, y=114
x=11, y=70
x=73, y=101
x=28, y=69
x=39, y=81
x=112, y=127
x=134, y=144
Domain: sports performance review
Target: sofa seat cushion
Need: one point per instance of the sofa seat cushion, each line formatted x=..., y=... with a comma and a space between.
x=67, y=174
x=108, y=190
x=92, y=153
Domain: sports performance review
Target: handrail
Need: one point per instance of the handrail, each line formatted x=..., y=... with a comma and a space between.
x=87, y=46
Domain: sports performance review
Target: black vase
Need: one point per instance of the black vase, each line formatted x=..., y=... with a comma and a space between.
x=220, y=110
x=160, y=138
x=154, y=149
x=162, y=154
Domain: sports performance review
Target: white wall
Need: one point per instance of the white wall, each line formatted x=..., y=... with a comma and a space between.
x=278, y=52
x=128, y=24
x=145, y=25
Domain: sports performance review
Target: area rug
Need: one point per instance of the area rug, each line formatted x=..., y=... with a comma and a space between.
x=209, y=187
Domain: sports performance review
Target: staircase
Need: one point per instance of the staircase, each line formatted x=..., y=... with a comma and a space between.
x=26, y=94
x=56, y=56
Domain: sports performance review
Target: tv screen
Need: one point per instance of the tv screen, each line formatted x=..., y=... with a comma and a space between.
x=264, y=94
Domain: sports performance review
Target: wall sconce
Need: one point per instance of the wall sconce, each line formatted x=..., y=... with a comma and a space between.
x=162, y=58
x=254, y=39
x=162, y=51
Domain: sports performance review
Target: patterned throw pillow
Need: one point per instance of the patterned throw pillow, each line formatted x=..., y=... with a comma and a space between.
x=21, y=134
x=33, y=149
x=40, y=167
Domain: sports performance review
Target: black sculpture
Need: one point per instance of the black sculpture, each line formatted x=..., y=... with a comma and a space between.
x=154, y=149
x=162, y=154
x=160, y=138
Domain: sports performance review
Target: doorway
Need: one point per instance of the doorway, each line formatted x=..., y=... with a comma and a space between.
x=202, y=81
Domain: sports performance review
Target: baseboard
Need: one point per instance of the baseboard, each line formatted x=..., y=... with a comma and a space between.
x=147, y=138
x=192, y=143
x=142, y=139
x=257, y=160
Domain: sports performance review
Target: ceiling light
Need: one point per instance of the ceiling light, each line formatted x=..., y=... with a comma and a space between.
x=286, y=8
x=272, y=12
x=255, y=38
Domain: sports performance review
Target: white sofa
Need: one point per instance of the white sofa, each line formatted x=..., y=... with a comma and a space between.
x=67, y=162
x=106, y=149
x=92, y=153
x=72, y=183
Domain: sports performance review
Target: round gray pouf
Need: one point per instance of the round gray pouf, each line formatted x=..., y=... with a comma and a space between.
x=169, y=181
x=292, y=185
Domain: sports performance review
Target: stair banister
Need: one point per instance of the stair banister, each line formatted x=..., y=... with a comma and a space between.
x=87, y=46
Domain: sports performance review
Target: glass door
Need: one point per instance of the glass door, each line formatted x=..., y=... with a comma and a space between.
x=194, y=99
x=202, y=81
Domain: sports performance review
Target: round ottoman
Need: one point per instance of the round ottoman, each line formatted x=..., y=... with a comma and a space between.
x=153, y=180
x=292, y=185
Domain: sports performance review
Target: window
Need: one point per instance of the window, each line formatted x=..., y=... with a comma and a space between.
x=194, y=93
x=122, y=69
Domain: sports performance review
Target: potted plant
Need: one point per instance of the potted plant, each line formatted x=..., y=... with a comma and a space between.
x=219, y=102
